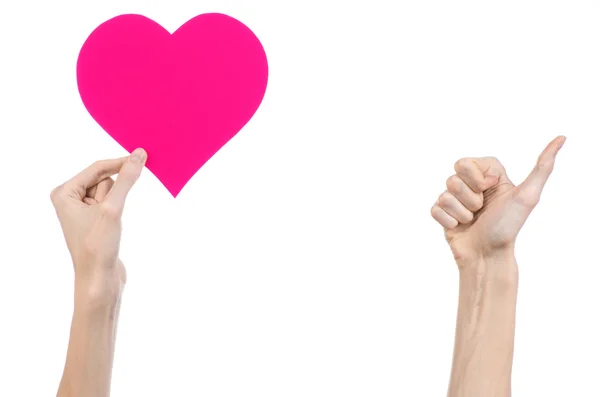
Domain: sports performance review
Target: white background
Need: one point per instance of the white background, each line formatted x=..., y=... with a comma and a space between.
x=301, y=260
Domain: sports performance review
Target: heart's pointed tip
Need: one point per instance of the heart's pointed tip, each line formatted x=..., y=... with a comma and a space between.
x=174, y=191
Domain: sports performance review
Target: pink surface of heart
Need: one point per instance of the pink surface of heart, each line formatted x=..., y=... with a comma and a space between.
x=180, y=96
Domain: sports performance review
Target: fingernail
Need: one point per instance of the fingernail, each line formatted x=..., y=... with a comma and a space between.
x=138, y=156
x=563, y=140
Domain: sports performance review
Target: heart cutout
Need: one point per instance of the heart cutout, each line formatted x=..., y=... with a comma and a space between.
x=180, y=96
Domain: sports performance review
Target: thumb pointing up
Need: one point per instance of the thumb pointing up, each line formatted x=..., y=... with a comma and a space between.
x=529, y=192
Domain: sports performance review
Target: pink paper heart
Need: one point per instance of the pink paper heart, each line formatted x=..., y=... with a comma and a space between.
x=180, y=96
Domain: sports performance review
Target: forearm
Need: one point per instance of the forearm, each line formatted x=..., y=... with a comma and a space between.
x=88, y=366
x=485, y=328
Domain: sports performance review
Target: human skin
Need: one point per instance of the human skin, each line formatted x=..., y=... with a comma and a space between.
x=482, y=212
x=89, y=208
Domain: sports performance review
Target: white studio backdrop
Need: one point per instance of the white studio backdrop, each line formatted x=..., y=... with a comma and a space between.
x=301, y=259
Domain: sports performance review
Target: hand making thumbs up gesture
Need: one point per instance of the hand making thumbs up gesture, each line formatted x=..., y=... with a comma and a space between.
x=482, y=211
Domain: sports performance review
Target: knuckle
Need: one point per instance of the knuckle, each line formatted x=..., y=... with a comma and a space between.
x=454, y=183
x=433, y=211
x=445, y=199
x=462, y=164
x=56, y=193
x=109, y=211
x=98, y=167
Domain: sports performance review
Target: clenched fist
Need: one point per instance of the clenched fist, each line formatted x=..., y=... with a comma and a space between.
x=482, y=211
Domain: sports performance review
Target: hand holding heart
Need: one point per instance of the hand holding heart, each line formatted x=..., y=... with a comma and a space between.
x=482, y=211
x=180, y=96
x=89, y=208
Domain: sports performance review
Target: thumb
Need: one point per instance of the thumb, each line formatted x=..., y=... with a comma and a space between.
x=128, y=175
x=530, y=191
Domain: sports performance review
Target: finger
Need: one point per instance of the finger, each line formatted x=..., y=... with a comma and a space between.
x=454, y=208
x=530, y=190
x=94, y=174
x=89, y=201
x=471, y=200
x=128, y=175
x=91, y=191
x=103, y=188
x=443, y=218
x=479, y=174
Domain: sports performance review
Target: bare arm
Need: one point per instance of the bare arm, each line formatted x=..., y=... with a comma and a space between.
x=88, y=367
x=89, y=208
x=482, y=212
x=485, y=329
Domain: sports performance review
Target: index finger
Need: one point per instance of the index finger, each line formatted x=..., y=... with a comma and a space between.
x=479, y=174
x=94, y=174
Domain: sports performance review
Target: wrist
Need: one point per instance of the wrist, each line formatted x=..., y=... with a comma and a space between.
x=493, y=266
x=485, y=327
x=98, y=293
